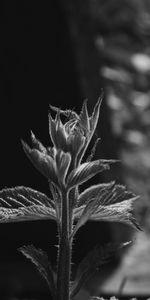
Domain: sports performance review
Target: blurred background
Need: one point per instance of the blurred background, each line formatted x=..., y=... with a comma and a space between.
x=60, y=53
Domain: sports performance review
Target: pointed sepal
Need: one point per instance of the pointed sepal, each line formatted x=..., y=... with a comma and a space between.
x=95, y=115
x=93, y=151
x=52, y=130
x=84, y=118
x=37, y=144
x=92, y=123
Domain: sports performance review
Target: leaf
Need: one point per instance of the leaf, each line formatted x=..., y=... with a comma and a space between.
x=42, y=161
x=84, y=117
x=77, y=212
x=95, y=115
x=107, y=202
x=118, y=212
x=57, y=198
x=94, y=191
x=94, y=197
x=40, y=260
x=25, y=204
x=84, y=217
x=91, y=263
x=23, y=196
x=31, y=213
x=85, y=171
x=52, y=130
x=118, y=193
x=90, y=157
x=114, y=193
x=37, y=144
x=87, y=211
x=92, y=123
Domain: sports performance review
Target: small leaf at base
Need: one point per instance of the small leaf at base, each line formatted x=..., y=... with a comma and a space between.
x=40, y=260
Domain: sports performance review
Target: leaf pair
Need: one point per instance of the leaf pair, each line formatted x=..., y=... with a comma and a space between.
x=62, y=165
x=86, y=269
x=100, y=202
x=25, y=204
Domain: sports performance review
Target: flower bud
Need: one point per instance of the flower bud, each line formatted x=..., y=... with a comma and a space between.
x=62, y=164
x=75, y=143
x=43, y=162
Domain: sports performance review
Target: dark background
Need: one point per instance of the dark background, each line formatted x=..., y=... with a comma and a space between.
x=38, y=68
x=60, y=53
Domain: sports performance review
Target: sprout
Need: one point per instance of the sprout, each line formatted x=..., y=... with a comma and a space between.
x=62, y=163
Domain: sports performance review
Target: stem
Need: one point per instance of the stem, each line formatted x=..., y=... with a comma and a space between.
x=64, y=255
x=72, y=202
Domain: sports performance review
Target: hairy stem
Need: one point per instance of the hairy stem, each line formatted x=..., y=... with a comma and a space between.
x=64, y=255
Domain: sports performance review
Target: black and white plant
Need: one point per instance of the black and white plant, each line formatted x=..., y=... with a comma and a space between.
x=64, y=167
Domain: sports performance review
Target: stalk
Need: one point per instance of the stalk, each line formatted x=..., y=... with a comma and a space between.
x=64, y=254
